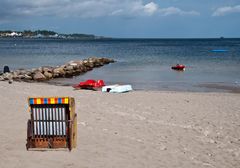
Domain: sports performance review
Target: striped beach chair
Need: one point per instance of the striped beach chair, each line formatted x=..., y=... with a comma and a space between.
x=52, y=123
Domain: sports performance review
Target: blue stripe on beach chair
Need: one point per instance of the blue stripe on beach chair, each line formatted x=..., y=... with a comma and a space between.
x=31, y=101
x=59, y=100
x=45, y=100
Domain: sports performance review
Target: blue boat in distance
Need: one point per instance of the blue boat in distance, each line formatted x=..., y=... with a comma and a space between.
x=219, y=50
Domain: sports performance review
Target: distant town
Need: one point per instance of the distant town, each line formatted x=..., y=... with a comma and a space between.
x=46, y=34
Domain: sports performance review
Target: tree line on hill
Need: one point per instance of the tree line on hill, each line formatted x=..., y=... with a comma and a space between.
x=45, y=33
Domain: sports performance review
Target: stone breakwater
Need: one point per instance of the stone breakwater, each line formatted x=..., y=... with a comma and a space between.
x=45, y=73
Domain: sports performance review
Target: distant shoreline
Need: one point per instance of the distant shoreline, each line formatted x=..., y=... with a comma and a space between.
x=113, y=38
x=133, y=38
x=45, y=34
x=32, y=34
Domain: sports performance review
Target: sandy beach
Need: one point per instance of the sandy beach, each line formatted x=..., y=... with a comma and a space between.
x=138, y=129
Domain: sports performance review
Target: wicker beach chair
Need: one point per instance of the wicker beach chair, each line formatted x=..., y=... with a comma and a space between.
x=52, y=123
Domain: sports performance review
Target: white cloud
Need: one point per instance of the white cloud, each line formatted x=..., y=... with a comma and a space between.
x=226, y=10
x=86, y=8
x=176, y=11
x=117, y=12
x=150, y=8
x=136, y=8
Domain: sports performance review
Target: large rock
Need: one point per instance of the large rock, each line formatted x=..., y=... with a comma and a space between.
x=22, y=72
x=69, y=68
x=1, y=78
x=106, y=60
x=21, y=76
x=74, y=63
x=48, y=75
x=38, y=76
x=15, y=74
x=47, y=69
x=92, y=59
x=24, y=77
x=90, y=65
x=7, y=76
x=40, y=69
x=29, y=73
x=78, y=62
x=82, y=69
x=59, y=72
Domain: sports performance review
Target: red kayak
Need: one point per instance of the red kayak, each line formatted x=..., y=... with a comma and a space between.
x=90, y=84
x=179, y=67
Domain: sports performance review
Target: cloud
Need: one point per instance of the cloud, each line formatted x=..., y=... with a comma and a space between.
x=176, y=11
x=136, y=8
x=226, y=10
x=150, y=8
x=85, y=8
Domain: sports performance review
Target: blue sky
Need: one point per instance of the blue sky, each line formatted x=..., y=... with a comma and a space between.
x=125, y=18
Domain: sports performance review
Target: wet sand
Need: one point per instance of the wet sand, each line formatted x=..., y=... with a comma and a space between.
x=137, y=129
x=221, y=87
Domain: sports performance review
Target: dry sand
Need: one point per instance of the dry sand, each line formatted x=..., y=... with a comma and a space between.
x=132, y=130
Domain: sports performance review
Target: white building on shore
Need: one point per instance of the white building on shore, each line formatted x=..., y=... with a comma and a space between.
x=13, y=34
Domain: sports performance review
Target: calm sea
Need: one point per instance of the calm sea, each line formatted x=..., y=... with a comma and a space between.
x=144, y=63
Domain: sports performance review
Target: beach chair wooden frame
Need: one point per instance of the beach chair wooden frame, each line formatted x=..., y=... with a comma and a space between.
x=52, y=123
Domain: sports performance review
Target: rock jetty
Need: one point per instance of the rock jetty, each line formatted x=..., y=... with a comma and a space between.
x=70, y=69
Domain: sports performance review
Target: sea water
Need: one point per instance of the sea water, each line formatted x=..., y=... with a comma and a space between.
x=143, y=63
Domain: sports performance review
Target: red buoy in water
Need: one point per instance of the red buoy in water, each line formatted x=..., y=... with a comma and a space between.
x=179, y=67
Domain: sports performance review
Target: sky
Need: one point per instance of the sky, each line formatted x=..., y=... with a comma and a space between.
x=125, y=18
